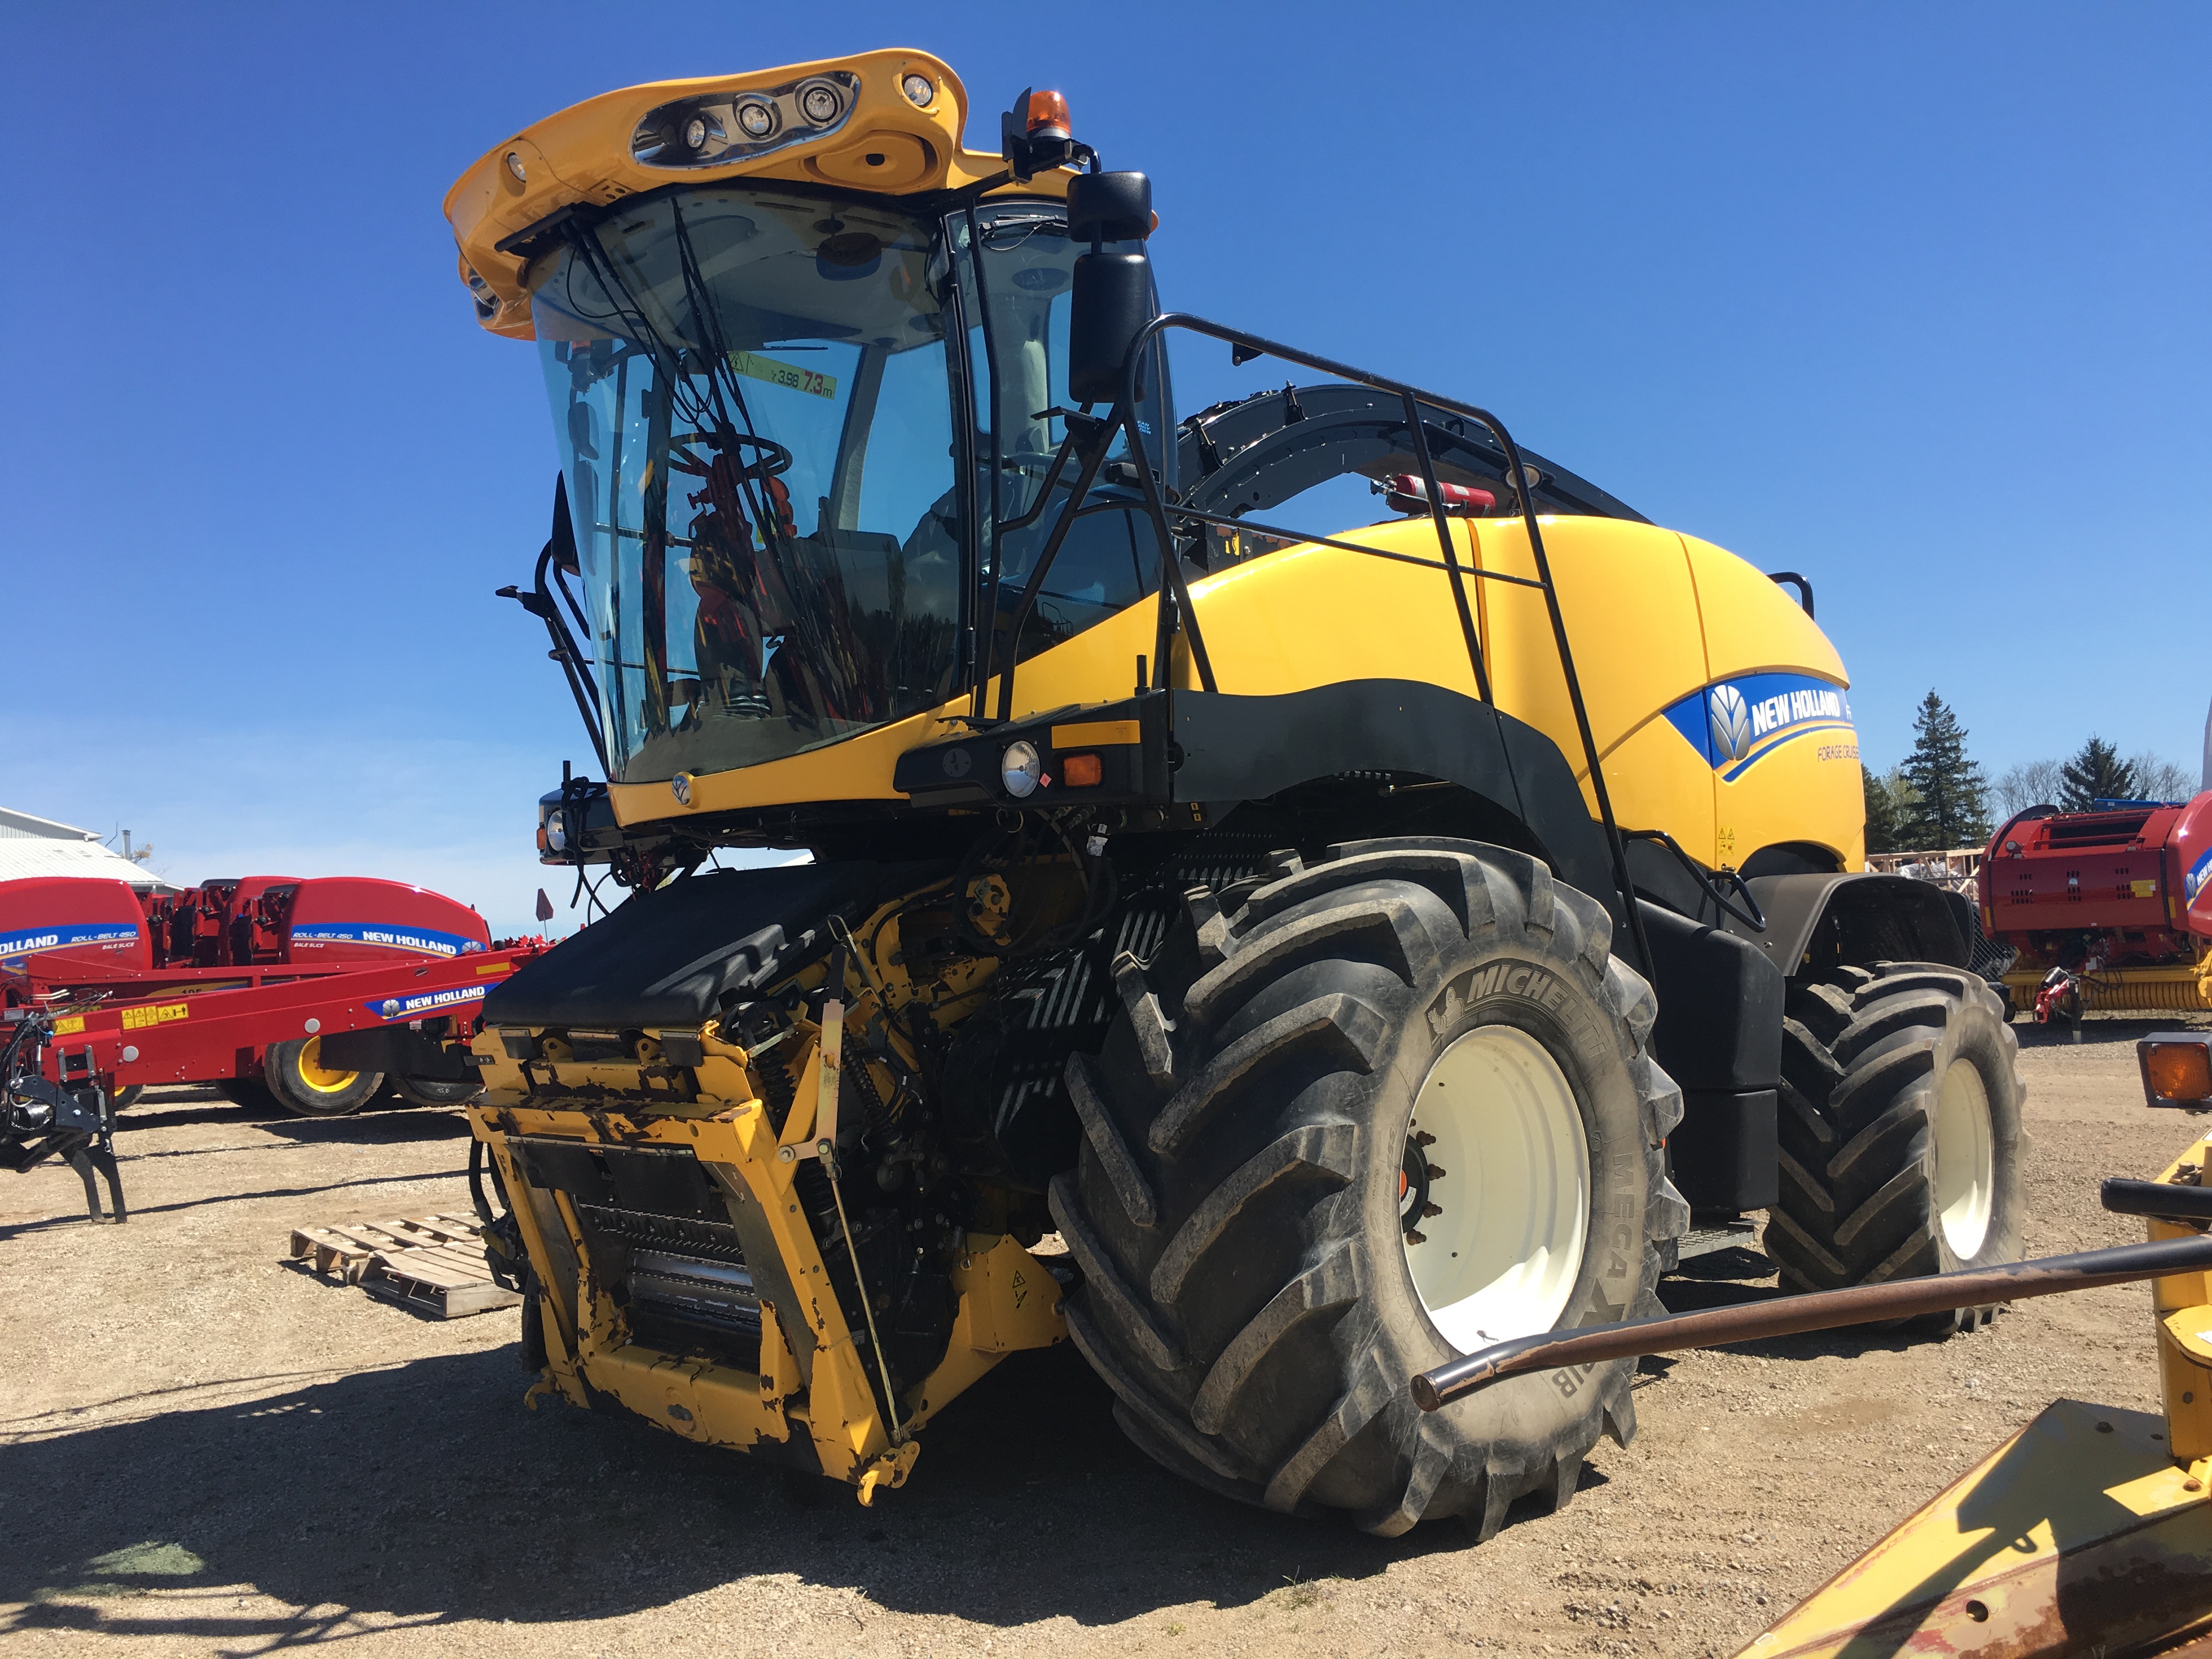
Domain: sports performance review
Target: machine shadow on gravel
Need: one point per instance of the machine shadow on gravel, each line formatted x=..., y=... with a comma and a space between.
x=386, y=1120
x=426, y=1491
x=1737, y=1278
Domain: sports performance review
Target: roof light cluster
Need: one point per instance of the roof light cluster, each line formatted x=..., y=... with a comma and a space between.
x=721, y=128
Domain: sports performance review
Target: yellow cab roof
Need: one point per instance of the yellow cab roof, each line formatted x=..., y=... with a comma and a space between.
x=884, y=144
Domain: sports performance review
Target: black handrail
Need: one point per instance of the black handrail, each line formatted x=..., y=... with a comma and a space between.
x=1094, y=458
x=1279, y=532
x=1790, y=577
x=1708, y=881
x=540, y=603
x=1124, y=415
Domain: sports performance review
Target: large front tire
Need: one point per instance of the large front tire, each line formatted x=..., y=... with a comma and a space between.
x=1900, y=1131
x=1255, y=1192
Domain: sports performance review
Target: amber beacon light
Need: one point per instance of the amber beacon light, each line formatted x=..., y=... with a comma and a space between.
x=1048, y=116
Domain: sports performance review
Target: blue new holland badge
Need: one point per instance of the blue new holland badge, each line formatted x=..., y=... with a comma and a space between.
x=1738, y=722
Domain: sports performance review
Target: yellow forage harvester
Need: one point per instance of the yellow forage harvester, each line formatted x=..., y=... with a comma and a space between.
x=1276, y=961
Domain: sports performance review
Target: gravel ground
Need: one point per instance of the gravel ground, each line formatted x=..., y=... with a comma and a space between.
x=205, y=1451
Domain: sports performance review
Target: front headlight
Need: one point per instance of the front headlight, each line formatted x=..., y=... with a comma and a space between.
x=1020, y=768
x=557, y=831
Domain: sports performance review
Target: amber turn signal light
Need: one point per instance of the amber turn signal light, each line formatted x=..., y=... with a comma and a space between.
x=1081, y=771
x=2177, y=1068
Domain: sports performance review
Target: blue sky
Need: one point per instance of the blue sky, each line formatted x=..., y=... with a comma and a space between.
x=1911, y=299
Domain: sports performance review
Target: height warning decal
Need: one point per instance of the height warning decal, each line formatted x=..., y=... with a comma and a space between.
x=789, y=376
x=1737, y=723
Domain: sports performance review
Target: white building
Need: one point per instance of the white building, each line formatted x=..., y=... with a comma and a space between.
x=38, y=847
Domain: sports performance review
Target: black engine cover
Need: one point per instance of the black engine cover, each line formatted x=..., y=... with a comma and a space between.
x=684, y=953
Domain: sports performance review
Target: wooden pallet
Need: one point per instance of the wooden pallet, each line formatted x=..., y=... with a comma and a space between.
x=433, y=1264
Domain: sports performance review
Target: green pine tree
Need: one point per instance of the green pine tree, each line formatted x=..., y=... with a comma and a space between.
x=2096, y=774
x=1951, y=808
x=1881, y=813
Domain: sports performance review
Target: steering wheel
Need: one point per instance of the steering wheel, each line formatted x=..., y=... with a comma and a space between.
x=771, y=457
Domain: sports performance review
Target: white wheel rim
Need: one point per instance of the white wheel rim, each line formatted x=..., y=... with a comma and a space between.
x=1964, y=1157
x=1502, y=1258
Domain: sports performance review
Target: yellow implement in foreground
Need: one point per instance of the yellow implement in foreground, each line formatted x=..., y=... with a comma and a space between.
x=2086, y=1532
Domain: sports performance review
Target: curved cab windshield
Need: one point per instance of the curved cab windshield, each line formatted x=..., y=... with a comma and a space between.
x=750, y=392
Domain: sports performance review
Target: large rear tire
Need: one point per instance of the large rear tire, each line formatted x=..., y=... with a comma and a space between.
x=1900, y=1131
x=297, y=1078
x=1268, y=1253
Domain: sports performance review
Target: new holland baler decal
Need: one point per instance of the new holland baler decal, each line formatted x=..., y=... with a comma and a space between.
x=63, y=935
x=386, y=935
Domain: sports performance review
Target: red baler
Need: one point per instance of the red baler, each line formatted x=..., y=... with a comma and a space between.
x=72, y=945
x=2120, y=897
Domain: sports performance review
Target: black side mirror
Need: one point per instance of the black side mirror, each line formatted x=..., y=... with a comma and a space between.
x=1109, y=207
x=1113, y=298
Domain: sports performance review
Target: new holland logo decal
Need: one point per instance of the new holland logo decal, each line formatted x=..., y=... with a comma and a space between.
x=425, y=1002
x=1731, y=723
x=1738, y=723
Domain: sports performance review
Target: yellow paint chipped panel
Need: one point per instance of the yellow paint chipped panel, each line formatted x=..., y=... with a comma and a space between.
x=1977, y=1571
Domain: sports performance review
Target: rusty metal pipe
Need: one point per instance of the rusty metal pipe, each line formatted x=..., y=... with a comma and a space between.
x=1820, y=1311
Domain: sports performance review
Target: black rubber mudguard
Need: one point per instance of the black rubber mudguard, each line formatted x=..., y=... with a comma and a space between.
x=1853, y=917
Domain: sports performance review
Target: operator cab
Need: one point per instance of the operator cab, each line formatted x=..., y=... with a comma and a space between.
x=792, y=495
